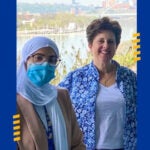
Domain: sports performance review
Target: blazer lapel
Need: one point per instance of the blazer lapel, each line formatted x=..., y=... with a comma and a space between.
x=34, y=124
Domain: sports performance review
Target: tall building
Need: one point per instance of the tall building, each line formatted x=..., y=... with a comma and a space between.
x=119, y=4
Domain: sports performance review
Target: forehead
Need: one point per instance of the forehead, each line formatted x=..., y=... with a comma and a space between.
x=106, y=34
x=46, y=51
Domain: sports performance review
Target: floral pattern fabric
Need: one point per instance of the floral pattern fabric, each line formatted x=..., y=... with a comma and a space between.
x=83, y=86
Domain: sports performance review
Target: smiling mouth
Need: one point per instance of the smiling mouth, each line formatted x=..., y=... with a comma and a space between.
x=104, y=52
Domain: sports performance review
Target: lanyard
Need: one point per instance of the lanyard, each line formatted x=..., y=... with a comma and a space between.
x=49, y=132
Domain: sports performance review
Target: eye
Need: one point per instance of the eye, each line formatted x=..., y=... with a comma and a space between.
x=53, y=59
x=111, y=41
x=38, y=58
x=101, y=41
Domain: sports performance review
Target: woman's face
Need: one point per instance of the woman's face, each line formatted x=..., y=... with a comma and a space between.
x=45, y=53
x=103, y=47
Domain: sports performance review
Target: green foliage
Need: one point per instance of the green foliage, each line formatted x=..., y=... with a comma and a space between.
x=61, y=21
x=125, y=54
x=79, y=62
x=53, y=21
x=126, y=59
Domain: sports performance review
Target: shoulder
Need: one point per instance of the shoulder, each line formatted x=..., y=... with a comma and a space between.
x=63, y=94
x=21, y=100
x=82, y=75
x=74, y=76
x=81, y=70
x=85, y=71
x=64, y=99
x=62, y=91
x=127, y=76
x=124, y=71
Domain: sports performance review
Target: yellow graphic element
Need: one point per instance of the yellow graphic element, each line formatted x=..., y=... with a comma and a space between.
x=16, y=116
x=17, y=139
x=136, y=41
x=16, y=133
x=137, y=53
x=16, y=127
x=16, y=122
x=136, y=34
x=135, y=47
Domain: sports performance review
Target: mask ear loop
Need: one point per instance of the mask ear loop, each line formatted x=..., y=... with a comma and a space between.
x=57, y=63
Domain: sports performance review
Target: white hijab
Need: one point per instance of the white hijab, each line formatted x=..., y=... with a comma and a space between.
x=36, y=95
x=44, y=95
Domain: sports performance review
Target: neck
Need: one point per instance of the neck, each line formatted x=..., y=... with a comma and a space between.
x=107, y=73
x=105, y=68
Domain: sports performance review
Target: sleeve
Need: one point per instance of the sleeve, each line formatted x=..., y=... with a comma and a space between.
x=67, y=82
x=132, y=114
x=76, y=134
x=135, y=109
x=26, y=141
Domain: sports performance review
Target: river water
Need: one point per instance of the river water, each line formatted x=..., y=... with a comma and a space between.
x=72, y=43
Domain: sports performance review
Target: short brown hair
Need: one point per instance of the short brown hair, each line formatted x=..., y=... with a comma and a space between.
x=105, y=23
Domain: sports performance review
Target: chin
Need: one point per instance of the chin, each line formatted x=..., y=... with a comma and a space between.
x=104, y=58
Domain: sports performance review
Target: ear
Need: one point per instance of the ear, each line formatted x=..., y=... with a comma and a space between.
x=90, y=46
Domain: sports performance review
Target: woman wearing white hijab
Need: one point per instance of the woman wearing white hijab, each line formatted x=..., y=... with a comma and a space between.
x=48, y=121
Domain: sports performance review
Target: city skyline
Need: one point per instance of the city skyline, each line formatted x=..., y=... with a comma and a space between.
x=82, y=2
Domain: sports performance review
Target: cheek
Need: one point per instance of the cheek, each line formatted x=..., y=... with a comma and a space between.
x=92, y=51
x=93, y=48
x=90, y=48
x=115, y=49
x=96, y=49
x=113, y=53
x=27, y=64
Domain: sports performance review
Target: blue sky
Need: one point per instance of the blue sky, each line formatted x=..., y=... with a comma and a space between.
x=83, y=2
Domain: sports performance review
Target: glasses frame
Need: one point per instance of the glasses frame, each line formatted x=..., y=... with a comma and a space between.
x=58, y=60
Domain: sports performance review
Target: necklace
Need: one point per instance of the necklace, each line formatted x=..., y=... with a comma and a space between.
x=107, y=79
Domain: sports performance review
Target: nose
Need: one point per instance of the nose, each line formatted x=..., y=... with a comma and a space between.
x=105, y=44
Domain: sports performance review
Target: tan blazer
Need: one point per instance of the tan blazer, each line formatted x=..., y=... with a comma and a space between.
x=33, y=135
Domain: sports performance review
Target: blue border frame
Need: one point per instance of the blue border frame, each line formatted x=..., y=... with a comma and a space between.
x=143, y=100
x=8, y=74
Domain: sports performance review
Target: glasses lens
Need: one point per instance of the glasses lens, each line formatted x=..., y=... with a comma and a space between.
x=53, y=60
x=38, y=58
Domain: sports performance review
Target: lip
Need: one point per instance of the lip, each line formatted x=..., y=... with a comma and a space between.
x=104, y=52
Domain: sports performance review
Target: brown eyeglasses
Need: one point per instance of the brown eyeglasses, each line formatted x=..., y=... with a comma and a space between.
x=40, y=58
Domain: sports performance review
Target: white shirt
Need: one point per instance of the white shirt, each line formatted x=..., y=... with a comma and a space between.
x=110, y=113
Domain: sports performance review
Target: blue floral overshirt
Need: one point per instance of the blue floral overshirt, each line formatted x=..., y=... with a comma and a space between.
x=83, y=86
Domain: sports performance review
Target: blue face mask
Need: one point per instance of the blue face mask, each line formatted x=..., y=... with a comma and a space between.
x=40, y=74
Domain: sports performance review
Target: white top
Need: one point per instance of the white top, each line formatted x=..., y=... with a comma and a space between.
x=110, y=113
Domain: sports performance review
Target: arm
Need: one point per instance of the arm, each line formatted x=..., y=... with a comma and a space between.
x=73, y=131
x=76, y=134
x=131, y=106
x=135, y=109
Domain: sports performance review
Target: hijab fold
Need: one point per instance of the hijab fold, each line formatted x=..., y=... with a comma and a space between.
x=45, y=95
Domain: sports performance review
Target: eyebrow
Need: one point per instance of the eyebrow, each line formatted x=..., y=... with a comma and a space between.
x=52, y=55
